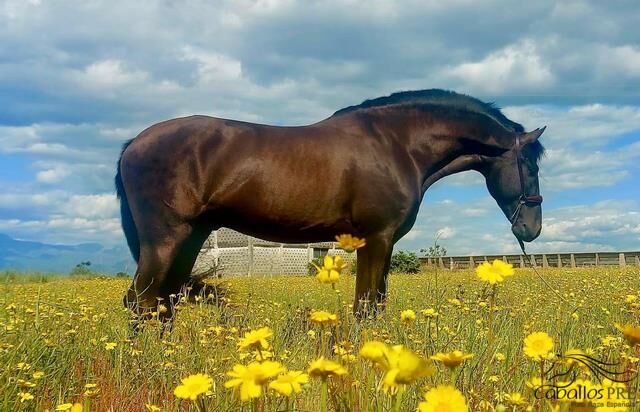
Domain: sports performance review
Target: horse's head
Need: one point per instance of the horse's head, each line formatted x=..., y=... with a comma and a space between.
x=512, y=180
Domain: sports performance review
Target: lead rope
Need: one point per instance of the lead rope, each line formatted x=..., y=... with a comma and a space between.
x=533, y=266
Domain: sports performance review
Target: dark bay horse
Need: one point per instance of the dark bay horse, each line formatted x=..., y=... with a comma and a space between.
x=362, y=171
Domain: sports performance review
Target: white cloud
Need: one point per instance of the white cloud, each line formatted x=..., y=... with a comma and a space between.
x=65, y=230
x=93, y=206
x=515, y=68
x=579, y=126
x=54, y=175
x=71, y=217
x=107, y=74
x=213, y=68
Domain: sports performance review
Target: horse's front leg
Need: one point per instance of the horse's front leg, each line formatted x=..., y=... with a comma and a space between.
x=371, y=280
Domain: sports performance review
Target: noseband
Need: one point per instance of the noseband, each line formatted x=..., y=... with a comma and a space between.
x=524, y=199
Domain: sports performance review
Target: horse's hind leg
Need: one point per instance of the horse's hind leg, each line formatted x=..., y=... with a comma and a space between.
x=182, y=265
x=157, y=254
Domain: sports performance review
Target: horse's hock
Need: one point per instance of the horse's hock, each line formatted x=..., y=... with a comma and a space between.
x=227, y=252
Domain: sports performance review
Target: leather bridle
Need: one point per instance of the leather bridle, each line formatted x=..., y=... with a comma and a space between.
x=533, y=200
x=524, y=199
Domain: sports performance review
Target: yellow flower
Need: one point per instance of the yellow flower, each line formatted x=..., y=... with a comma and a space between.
x=193, y=386
x=323, y=368
x=323, y=318
x=25, y=396
x=374, y=351
x=38, y=375
x=290, y=382
x=515, y=399
x=64, y=407
x=407, y=316
x=538, y=345
x=350, y=243
x=499, y=357
x=630, y=298
x=452, y=359
x=249, y=379
x=330, y=271
x=534, y=383
x=152, y=408
x=402, y=367
x=23, y=366
x=256, y=339
x=443, y=399
x=77, y=407
x=430, y=313
x=494, y=272
x=631, y=333
x=110, y=345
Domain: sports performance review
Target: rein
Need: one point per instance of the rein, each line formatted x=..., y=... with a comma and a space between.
x=533, y=200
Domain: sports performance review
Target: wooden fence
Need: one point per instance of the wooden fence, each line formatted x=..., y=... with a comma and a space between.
x=541, y=260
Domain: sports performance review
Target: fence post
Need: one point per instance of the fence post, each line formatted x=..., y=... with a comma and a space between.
x=637, y=260
x=573, y=260
x=440, y=262
x=534, y=261
x=597, y=260
x=472, y=264
x=545, y=262
x=216, y=252
x=451, y=263
x=559, y=260
x=309, y=253
x=249, y=256
x=621, y=260
x=521, y=261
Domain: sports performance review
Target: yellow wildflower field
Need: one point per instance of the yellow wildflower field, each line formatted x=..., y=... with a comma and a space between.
x=291, y=343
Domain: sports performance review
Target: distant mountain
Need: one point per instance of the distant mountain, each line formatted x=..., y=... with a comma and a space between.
x=26, y=255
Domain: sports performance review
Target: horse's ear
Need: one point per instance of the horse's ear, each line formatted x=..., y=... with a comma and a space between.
x=532, y=136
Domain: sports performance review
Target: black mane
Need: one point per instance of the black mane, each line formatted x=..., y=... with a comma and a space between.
x=447, y=98
x=442, y=97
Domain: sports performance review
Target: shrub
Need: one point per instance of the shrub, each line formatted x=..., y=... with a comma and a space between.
x=404, y=262
x=311, y=269
x=81, y=269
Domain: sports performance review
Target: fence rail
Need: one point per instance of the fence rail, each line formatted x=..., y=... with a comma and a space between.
x=239, y=254
x=541, y=260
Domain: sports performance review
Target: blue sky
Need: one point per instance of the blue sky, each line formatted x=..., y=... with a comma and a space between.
x=78, y=78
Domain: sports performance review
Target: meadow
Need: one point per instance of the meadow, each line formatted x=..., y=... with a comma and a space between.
x=65, y=344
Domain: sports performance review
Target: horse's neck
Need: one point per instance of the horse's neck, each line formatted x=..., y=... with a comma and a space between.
x=437, y=146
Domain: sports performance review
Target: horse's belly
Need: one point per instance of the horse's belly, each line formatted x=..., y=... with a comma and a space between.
x=288, y=228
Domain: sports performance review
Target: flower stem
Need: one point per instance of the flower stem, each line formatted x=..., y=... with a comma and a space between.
x=541, y=382
x=397, y=400
x=323, y=395
x=491, y=304
x=200, y=404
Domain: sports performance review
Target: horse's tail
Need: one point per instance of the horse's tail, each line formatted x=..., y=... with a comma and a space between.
x=128, y=225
